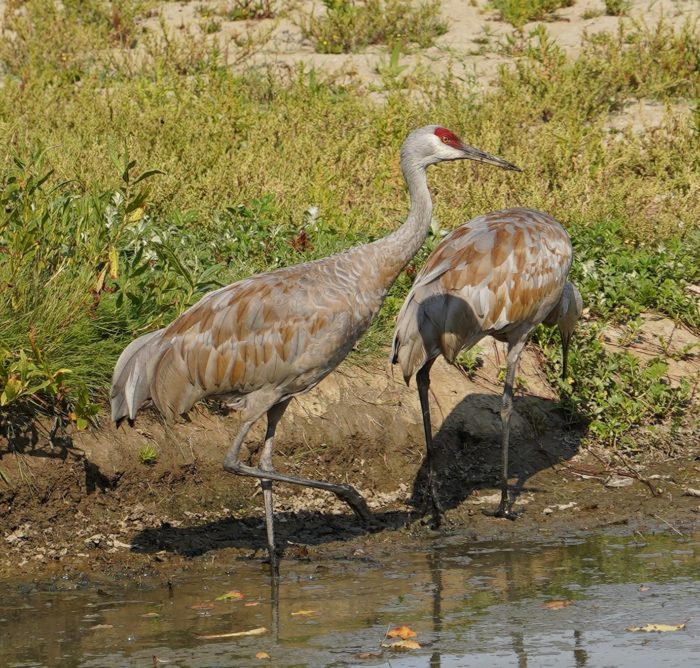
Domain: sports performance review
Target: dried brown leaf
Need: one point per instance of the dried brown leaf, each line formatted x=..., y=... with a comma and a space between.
x=402, y=644
x=557, y=604
x=235, y=634
x=262, y=655
x=368, y=655
x=401, y=632
x=202, y=606
x=233, y=595
x=304, y=613
x=99, y=627
x=657, y=628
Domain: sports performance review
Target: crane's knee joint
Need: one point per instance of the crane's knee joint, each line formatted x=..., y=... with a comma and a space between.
x=234, y=466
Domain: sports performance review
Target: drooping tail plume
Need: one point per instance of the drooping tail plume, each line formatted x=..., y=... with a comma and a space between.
x=131, y=380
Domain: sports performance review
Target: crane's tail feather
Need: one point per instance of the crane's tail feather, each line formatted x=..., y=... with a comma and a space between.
x=131, y=380
x=409, y=349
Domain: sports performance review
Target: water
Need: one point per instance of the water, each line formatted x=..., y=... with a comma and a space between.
x=470, y=605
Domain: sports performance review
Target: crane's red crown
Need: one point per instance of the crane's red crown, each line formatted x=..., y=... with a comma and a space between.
x=448, y=137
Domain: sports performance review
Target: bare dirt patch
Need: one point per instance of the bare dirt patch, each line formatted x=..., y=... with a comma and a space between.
x=474, y=46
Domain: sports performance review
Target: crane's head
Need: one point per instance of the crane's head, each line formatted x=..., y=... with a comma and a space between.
x=433, y=143
x=566, y=315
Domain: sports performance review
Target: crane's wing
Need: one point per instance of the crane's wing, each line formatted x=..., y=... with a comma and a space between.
x=270, y=332
x=499, y=271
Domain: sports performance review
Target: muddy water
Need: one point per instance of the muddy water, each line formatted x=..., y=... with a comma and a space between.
x=472, y=604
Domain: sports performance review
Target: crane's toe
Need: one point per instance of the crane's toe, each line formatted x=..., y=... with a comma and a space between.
x=502, y=511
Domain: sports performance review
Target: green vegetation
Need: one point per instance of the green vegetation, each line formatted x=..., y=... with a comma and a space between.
x=617, y=7
x=519, y=12
x=238, y=10
x=138, y=172
x=148, y=455
x=349, y=25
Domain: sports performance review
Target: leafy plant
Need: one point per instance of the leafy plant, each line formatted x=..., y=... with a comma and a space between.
x=349, y=25
x=148, y=455
x=519, y=12
x=613, y=393
x=617, y=7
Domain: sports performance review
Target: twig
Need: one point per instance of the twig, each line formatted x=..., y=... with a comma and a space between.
x=668, y=524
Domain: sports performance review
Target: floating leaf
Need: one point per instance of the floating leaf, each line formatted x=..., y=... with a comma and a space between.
x=657, y=628
x=368, y=655
x=401, y=632
x=304, y=613
x=235, y=634
x=202, y=606
x=99, y=627
x=262, y=655
x=251, y=604
x=150, y=615
x=230, y=596
x=402, y=644
x=557, y=604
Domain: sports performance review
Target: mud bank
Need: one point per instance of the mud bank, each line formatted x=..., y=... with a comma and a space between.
x=87, y=502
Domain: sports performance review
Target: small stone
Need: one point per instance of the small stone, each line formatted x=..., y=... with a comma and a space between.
x=618, y=481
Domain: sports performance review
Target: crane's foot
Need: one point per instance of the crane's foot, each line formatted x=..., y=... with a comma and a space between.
x=505, y=510
x=349, y=495
x=506, y=513
x=431, y=506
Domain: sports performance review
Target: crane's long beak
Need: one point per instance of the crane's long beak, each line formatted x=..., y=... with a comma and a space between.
x=471, y=153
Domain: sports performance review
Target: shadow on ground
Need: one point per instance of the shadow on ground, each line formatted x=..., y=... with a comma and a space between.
x=468, y=459
x=468, y=446
x=293, y=531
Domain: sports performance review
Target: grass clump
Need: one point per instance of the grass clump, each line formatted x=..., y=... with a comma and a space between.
x=349, y=25
x=520, y=12
x=239, y=10
x=148, y=455
x=617, y=7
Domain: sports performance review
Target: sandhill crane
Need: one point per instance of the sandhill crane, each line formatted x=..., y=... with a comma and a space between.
x=500, y=274
x=259, y=342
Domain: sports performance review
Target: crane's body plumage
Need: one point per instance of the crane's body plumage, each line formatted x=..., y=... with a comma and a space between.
x=264, y=339
x=259, y=342
x=499, y=274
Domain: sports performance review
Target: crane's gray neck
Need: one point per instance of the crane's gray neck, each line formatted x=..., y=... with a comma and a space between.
x=400, y=246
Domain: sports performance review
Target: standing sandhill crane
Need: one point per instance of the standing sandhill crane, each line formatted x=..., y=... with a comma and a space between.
x=259, y=342
x=500, y=274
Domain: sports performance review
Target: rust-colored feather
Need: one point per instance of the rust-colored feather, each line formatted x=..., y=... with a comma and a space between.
x=498, y=274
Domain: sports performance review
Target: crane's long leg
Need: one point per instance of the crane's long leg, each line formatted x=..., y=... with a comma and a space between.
x=346, y=493
x=514, y=350
x=423, y=385
x=273, y=417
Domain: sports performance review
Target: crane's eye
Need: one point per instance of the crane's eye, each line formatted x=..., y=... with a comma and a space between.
x=445, y=139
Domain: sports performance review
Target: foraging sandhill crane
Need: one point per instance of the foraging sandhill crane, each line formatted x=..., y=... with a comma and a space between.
x=259, y=342
x=500, y=274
